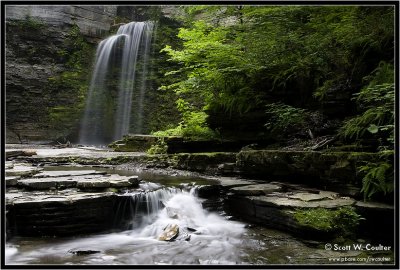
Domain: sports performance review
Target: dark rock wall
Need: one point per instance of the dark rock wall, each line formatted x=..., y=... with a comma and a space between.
x=38, y=59
x=50, y=53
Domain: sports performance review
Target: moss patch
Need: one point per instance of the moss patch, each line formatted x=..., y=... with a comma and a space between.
x=342, y=221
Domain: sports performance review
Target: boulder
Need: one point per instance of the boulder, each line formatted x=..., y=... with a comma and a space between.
x=169, y=233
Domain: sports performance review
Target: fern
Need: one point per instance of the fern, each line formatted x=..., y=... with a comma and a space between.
x=378, y=117
x=378, y=178
x=283, y=118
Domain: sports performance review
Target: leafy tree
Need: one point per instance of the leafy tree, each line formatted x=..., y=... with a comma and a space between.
x=239, y=58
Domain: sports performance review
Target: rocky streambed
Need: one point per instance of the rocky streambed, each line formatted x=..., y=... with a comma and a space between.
x=75, y=199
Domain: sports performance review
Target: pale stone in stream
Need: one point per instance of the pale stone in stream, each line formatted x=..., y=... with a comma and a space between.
x=170, y=232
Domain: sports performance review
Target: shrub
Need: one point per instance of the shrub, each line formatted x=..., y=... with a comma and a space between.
x=284, y=119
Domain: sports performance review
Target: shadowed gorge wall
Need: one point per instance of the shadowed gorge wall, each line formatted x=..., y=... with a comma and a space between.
x=50, y=53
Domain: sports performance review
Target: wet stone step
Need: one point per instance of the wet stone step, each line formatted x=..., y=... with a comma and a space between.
x=22, y=169
x=68, y=173
x=255, y=190
x=80, y=181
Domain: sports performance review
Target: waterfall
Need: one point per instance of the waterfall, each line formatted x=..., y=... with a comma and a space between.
x=137, y=209
x=114, y=85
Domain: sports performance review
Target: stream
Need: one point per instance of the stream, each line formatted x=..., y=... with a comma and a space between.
x=207, y=233
x=205, y=236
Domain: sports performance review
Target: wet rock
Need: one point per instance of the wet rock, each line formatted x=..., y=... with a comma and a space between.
x=47, y=183
x=227, y=168
x=207, y=191
x=288, y=201
x=23, y=170
x=68, y=173
x=93, y=183
x=231, y=182
x=83, y=252
x=276, y=209
x=321, y=195
x=17, y=153
x=9, y=165
x=169, y=233
x=119, y=183
x=190, y=229
x=134, y=181
x=51, y=214
x=256, y=190
x=11, y=181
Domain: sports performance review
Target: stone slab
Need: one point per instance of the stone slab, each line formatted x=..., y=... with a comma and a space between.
x=287, y=202
x=21, y=169
x=68, y=173
x=229, y=182
x=255, y=190
x=79, y=181
x=306, y=196
x=47, y=183
x=374, y=205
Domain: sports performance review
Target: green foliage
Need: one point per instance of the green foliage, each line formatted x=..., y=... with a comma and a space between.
x=193, y=126
x=343, y=220
x=376, y=102
x=378, y=178
x=283, y=118
x=378, y=117
x=160, y=147
x=236, y=57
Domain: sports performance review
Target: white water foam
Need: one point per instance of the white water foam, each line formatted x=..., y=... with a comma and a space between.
x=215, y=240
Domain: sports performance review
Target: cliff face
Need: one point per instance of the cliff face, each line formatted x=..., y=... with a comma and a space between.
x=49, y=53
x=93, y=21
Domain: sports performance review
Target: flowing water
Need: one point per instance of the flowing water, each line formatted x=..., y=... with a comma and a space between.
x=108, y=110
x=205, y=236
x=213, y=239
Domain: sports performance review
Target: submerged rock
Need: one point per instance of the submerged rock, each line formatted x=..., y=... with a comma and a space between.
x=83, y=252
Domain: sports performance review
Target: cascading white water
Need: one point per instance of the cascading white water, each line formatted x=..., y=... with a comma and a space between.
x=141, y=208
x=107, y=116
x=214, y=240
